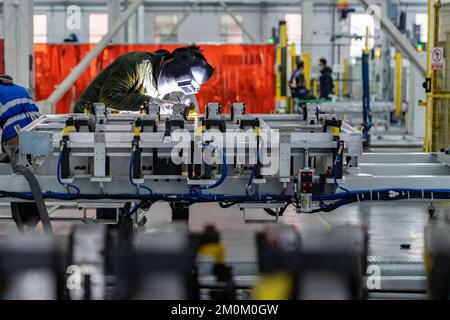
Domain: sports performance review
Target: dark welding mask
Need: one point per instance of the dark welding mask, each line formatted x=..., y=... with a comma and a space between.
x=186, y=70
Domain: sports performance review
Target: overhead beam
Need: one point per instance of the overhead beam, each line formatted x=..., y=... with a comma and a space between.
x=401, y=42
x=76, y=72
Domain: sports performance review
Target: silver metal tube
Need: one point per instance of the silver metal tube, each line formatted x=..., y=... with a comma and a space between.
x=400, y=41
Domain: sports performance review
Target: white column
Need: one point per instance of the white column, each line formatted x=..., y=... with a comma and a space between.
x=308, y=24
x=132, y=27
x=387, y=80
x=113, y=15
x=132, y=30
x=140, y=24
x=263, y=23
x=18, y=30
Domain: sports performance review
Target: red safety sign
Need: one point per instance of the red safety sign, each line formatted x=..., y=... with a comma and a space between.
x=437, y=59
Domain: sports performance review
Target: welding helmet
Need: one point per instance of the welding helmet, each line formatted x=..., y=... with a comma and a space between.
x=184, y=70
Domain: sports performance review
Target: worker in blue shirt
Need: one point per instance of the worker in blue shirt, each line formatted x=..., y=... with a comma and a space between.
x=17, y=110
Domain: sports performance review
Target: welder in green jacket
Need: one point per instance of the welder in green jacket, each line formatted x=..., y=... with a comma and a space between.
x=139, y=77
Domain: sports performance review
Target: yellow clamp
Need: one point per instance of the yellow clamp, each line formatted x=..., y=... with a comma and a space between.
x=214, y=250
x=200, y=130
x=137, y=131
x=276, y=286
x=192, y=113
x=336, y=131
x=67, y=130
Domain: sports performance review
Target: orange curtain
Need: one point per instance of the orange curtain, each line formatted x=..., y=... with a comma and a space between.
x=243, y=73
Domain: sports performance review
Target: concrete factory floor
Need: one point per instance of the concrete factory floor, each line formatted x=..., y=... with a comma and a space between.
x=390, y=225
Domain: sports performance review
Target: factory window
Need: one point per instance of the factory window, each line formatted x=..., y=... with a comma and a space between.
x=230, y=31
x=422, y=21
x=294, y=30
x=98, y=26
x=164, y=24
x=40, y=28
x=358, y=26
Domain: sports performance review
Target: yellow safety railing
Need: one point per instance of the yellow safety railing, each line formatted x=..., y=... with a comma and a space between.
x=366, y=41
x=278, y=73
x=345, y=79
x=293, y=68
x=315, y=88
x=429, y=76
x=398, y=84
x=281, y=90
x=293, y=58
x=337, y=89
x=437, y=123
x=307, y=66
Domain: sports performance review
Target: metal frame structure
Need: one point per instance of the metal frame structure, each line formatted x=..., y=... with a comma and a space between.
x=98, y=152
x=111, y=159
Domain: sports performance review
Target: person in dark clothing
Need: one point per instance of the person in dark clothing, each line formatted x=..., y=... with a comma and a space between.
x=298, y=83
x=138, y=77
x=326, y=80
x=72, y=38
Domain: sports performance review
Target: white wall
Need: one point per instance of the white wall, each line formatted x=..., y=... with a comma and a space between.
x=203, y=25
x=57, y=29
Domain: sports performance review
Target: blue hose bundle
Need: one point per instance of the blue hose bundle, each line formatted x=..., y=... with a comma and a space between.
x=336, y=165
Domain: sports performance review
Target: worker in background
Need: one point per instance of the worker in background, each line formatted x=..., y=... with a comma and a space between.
x=17, y=110
x=72, y=38
x=137, y=78
x=298, y=83
x=325, y=80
